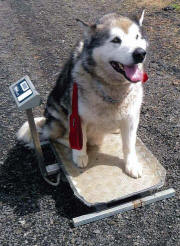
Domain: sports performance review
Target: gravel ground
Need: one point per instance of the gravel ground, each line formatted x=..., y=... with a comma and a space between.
x=35, y=39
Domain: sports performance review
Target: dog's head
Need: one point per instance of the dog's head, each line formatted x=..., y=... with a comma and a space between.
x=115, y=48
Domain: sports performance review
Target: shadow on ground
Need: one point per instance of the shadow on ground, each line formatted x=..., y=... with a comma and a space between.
x=22, y=186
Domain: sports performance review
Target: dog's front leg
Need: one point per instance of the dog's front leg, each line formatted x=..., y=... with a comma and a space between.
x=128, y=132
x=80, y=157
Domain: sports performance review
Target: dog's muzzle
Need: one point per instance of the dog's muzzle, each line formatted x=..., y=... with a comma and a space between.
x=139, y=55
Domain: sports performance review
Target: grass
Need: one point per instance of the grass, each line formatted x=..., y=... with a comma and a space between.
x=176, y=6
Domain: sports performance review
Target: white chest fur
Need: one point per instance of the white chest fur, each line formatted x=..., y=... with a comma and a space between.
x=106, y=116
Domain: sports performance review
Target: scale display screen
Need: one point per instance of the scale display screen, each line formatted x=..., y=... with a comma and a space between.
x=22, y=90
x=25, y=94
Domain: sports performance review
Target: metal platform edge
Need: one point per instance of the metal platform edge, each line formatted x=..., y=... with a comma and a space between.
x=88, y=218
x=67, y=176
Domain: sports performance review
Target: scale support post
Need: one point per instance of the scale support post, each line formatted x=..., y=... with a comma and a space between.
x=26, y=97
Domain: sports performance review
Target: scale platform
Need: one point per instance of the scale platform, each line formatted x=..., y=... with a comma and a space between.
x=104, y=180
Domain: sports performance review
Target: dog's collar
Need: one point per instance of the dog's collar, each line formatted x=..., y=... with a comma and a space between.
x=109, y=99
x=106, y=97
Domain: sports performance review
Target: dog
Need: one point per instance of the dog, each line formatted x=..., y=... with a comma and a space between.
x=107, y=65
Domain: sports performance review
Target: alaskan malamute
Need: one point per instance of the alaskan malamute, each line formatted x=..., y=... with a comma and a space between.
x=107, y=66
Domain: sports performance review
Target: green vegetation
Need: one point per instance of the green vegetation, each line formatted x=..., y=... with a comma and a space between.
x=176, y=6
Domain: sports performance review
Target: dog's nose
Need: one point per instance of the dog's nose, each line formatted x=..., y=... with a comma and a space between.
x=139, y=55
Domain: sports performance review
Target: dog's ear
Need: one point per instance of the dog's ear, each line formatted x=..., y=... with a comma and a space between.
x=141, y=18
x=88, y=29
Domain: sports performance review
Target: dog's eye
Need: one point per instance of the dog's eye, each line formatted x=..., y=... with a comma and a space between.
x=116, y=40
x=137, y=36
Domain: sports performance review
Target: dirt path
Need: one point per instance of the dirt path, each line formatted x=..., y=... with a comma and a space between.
x=35, y=39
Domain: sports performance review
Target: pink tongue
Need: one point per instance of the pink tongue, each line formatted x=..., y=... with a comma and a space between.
x=133, y=73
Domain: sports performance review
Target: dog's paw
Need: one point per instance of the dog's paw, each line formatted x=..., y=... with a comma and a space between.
x=81, y=160
x=133, y=168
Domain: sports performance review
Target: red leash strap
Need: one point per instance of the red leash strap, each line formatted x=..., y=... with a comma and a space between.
x=75, y=133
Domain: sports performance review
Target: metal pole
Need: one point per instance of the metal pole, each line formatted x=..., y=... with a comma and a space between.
x=36, y=142
x=39, y=152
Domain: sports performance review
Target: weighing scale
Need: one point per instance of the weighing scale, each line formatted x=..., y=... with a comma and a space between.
x=104, y=180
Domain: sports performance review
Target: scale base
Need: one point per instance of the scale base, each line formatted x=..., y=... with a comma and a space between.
x=104, y=179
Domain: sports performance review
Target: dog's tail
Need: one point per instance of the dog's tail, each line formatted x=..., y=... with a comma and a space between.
x=24, y=133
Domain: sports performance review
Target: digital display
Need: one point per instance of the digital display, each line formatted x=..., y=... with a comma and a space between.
x=25, y=94
x=22, y=90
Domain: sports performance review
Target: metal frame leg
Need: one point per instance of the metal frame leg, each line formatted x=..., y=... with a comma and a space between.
x=87, y=218
x=50, y=169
